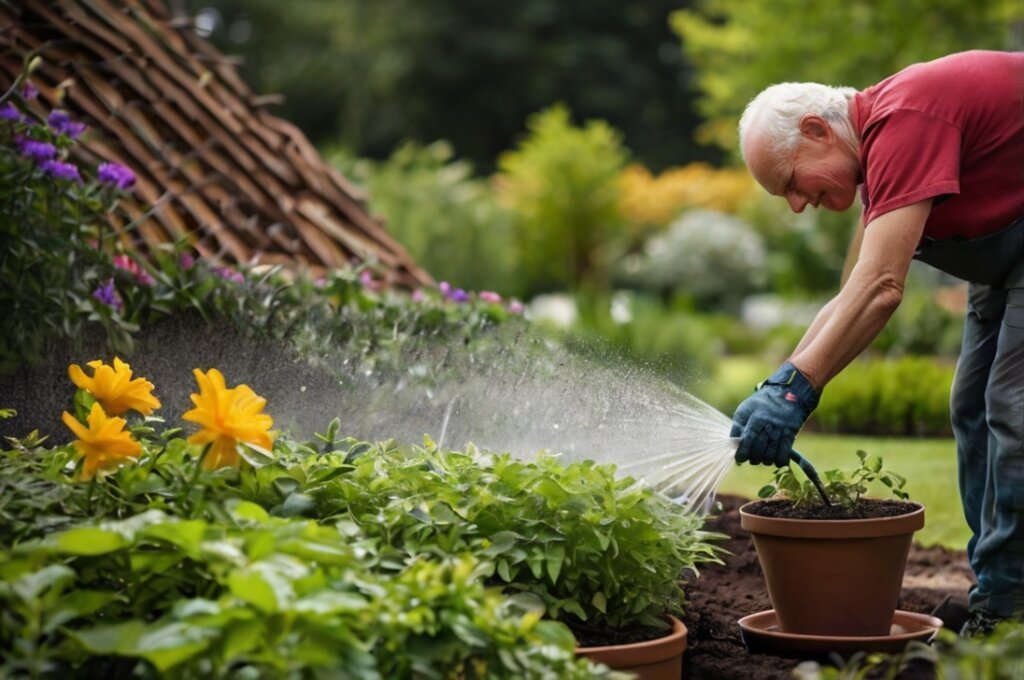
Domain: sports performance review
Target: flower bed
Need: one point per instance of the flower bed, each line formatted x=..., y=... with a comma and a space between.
x=236, y=549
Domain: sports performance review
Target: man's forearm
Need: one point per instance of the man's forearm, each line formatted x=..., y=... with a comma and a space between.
x=846, y=326
x=820, y=319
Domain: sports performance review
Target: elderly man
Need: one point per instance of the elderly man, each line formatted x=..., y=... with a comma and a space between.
x=937, y=151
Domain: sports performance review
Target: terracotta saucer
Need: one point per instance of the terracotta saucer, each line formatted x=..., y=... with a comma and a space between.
x=761, y=634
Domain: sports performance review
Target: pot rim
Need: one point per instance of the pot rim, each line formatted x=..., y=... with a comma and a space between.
x=872, y=527
x=674, y=643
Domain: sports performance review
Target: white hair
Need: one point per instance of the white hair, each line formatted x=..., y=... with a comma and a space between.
x=776, y=112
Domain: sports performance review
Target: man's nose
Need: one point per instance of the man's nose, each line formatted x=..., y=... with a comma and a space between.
x=797, y=202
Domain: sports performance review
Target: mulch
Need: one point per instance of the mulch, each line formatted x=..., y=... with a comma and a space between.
x=724, y=593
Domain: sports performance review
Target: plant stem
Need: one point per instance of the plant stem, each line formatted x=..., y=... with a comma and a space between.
x=195, y=477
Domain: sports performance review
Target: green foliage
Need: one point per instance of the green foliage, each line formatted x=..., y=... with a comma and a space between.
x=601, y=553
x=905, y=396
x=371, y=75
x=449, y=221
x=713, y=258
x=740, y=47
x=921, y=327
x=672, y=339
x=843, y=487
x=560, y=183
x=332, y=556
x=997, y=656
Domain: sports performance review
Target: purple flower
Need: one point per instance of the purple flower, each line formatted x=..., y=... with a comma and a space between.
x=107, y=294
x=29, y=91
x=37, y=151
x=10, y=112
x=453, y=294
x=490, y=296
x=368, y=282
x=229, y=274
x=515, y=306
x=187, y=261
x=62, y=123
x=116, y=174
x=61, y=170
x=418, y=295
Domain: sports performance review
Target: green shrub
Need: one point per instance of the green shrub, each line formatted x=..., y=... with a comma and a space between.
x=675, y=342
x=561, y=185
x=921, y=327
x=601, y=553
x=895, y=397
x=320, y=556
x=448, y=220
x=162, y=569
x=714, y=258
x=997, y=656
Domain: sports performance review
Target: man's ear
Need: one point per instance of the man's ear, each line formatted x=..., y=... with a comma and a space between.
x=813, y=126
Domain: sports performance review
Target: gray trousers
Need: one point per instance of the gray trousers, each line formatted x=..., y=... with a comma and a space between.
x=987, y=408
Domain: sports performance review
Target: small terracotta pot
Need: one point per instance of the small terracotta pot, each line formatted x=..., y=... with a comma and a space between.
x=833, y=577
x=658, y=659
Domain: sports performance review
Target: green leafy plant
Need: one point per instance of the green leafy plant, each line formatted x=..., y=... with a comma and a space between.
x=843, y=487
x=992, y=657
x=561, y=185
x=333, y=556
x=161, y=568
x=601, y=553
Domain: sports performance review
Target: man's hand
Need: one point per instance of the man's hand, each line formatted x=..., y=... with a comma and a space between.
x=768, y=420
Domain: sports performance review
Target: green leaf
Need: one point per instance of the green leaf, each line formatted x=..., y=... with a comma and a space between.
x=295, y=505
x=89, y=541
x=501, y=542
x=247, y=511
x=110, y=639
x=169, y=644
x=252, y=587
x=555, y=556
x=31, y=586
x=76, y=604
x=257, y=456
x=186, y=534
x=766, y=491
x=600, y=602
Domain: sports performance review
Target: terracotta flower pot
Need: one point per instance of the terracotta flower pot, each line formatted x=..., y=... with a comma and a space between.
x=658, y=659
x=833, y=577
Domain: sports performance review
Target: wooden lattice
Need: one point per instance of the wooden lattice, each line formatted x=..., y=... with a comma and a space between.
x=214, y=167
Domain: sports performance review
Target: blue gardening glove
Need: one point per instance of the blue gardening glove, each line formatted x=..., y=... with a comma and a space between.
x=767, y=421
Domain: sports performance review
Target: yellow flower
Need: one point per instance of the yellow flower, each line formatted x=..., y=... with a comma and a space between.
x=104, y=443
x=114, y=387
x=227, y=416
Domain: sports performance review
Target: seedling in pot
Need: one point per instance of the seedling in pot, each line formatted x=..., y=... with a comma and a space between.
x=843, y=488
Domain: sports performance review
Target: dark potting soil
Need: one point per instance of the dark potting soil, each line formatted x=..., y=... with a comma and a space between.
x=865, y=508
x=722, y=594
x=600, y=638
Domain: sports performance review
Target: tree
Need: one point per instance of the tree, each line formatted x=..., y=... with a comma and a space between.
x=740, y=47
x=370, y=75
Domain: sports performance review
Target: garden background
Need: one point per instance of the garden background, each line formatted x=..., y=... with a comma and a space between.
x=582, y=157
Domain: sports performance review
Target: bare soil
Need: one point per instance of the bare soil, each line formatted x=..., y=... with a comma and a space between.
x=723, y=594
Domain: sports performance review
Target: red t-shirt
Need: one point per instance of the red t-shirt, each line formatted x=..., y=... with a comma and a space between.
x=952, y=130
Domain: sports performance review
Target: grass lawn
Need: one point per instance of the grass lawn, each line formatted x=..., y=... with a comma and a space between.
x=928, y=464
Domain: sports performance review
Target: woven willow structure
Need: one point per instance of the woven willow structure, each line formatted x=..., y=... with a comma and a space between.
x=214, y=167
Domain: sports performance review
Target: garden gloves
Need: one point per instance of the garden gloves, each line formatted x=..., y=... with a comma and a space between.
x=767, y=421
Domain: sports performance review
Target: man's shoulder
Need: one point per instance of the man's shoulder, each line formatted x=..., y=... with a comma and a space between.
x=948, y=86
